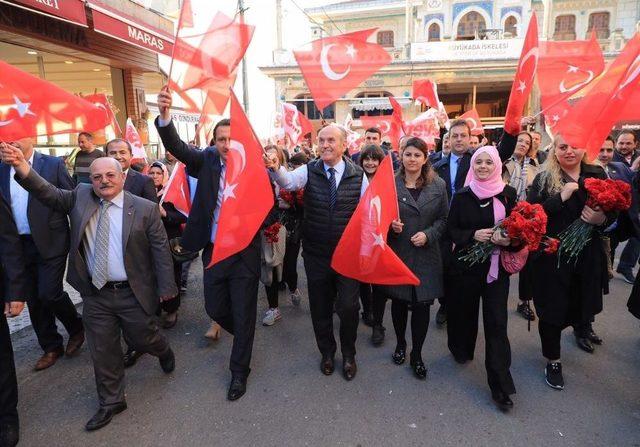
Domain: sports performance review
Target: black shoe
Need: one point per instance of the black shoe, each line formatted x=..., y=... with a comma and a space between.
x=349, y=368
x=326, y=365
x=377, y=335
x=104, y=416
x=441, y=315
x=419, y=369
x=502, y=400
x=553, y=375
x=593, y=337
x=399, y=355
x=131, y=357
x=9, y=435
x=585, y=344
x=627, y=276
x=168, y=362
x=367, y=319
x=237, y=388
x=526, y=311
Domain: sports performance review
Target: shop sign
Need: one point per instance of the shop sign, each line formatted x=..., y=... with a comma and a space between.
x=67, y=10
x=466, y=50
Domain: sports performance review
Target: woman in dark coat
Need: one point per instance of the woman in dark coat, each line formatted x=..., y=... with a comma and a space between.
x=173, y=221
x=373, y=301
x=567, y=293
x=415, y=238
x=475, y=211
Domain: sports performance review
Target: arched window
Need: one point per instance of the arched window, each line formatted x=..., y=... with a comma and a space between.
x=599, y=22
x=470, y=26
x=305, y=104
x=433, y=33
x=565, y=27
x=385, y=38
x=511, y=26
x=366, y=108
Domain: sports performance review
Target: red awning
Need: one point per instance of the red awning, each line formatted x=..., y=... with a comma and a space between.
x=119, y=25
x=71, y=11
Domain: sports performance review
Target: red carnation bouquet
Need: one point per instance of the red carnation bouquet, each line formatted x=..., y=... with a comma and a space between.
x=527, y=224
x=608, y=195
x=293, y=198
x=271, y=232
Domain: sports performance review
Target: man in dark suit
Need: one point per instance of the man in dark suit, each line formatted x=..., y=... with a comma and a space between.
x=119, y=261
x=626, y=147
x=230, y=286
x=373, y=136
x=44, y=236
x=136, y=183
x=13, y=267
x=453, y=169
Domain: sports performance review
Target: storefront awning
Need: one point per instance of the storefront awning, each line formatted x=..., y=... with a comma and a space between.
x=368, y=104
x=119, y=25
x=71, y=11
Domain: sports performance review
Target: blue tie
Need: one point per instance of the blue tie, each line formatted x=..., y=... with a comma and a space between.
x=333, y=189
x=454, y=162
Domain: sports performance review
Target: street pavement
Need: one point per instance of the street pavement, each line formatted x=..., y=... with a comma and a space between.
x=290, y=403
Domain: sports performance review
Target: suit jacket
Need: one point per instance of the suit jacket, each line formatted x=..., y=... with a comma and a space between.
x=11, y=260
x=49, y=227
x=140, y=185
x=620, y=159
x=147, y=259
x=628, y=223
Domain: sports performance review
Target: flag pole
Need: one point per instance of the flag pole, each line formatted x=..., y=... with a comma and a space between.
x=395, y=190
x=173, y=49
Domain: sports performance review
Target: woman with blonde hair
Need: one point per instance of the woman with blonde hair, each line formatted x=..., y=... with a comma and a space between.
x=566, y=292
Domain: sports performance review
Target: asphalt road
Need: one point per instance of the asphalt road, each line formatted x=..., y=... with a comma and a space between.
x=289, y=402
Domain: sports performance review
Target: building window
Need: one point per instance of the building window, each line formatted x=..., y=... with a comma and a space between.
x=385, y=38
x=565, y=28
x=305, y=104
x=357, y=113
x=599, y=22
x=470, y=26
x=433, y=34
x=511, y=26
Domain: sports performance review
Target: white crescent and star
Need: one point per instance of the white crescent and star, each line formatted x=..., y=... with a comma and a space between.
x=326, y=67
x=387, y=127
x=21, y=107
x=533, y=52
x=229, y=189
x=579, y=85
x=375, y=205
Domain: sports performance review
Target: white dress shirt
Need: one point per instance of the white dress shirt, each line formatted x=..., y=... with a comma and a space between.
x=297, y=179
x=20, y=201
x=115, y=213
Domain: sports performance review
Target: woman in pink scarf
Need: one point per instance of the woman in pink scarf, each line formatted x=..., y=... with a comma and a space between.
x=475, y=211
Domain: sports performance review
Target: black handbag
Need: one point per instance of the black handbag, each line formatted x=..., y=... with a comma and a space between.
x=180, y=254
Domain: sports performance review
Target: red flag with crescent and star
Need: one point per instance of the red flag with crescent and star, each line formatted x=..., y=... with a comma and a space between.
x=362, y=252
x=101, y=100
x=565, y=68
x=337, y=64
x=295, y=123
x=523, y=81
x=247, y=196
x=425, y=91
x=177, y=190
x=590, y=120
x=30, y=106
x=475, y=123
x=388, y=126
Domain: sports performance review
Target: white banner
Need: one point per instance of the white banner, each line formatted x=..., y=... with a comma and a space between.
x=466, y=50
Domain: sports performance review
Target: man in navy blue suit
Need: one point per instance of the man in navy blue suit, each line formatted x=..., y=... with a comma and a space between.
x=44, y=235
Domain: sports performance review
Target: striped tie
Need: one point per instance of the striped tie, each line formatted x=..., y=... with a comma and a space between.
x=333, y=189
x=101, y=248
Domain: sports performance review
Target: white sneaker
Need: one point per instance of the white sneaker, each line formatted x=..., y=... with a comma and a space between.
x=271, y=316
x=295, y=297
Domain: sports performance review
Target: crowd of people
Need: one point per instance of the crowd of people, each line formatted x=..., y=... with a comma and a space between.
x=129, y=252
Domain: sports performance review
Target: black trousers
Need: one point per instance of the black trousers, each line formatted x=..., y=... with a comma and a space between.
x=46, y=297
x=108, y=313
x=231, y=300
x=463, y=305
x=379, y=302
x=326, y=287
x=290, y=264
x=366, y=297
x=420, y=314
x=272, y=291
x=525, y=283
x=550, y=339
x=8, y=382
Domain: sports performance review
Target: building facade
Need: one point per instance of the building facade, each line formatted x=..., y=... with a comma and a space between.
x=470, y=48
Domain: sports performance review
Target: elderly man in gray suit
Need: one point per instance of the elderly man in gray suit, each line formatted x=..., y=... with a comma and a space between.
x=120, y=263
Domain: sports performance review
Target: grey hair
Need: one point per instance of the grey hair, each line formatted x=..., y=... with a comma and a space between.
x=115, y=162
x=343, y=131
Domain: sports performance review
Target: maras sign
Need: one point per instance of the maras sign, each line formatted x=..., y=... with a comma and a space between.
x=146, y=39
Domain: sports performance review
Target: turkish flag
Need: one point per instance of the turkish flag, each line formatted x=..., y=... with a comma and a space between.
x=186, y=15
x=30, y=106
x=177, y=190
x=591, y=119
x=424, y=126
x=247, y=196
x=523, y=81
x=337, y=64
x=362, y=252
x=101, y=100
x=132, y=136
x=296, y=124
x=388, y=126
x=475, y=124
x=354, y=141
x=426, y=92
